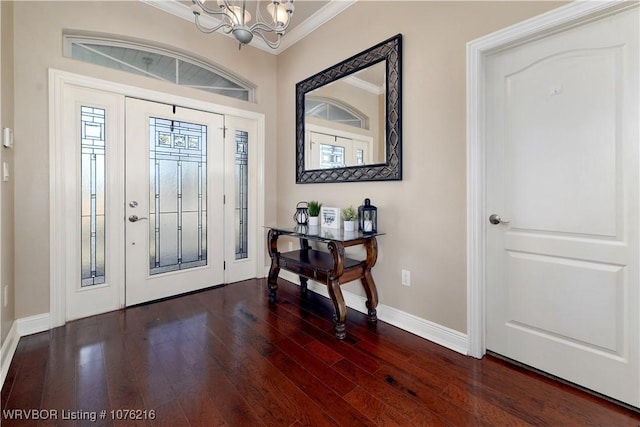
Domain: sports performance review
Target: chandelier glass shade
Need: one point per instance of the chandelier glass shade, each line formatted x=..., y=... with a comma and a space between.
x=233, y=18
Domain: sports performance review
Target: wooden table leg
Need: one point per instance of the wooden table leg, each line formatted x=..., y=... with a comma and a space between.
x=367, y=280
x=304, y=245
x=337, y=250
x=274, y=270
x=340, y=315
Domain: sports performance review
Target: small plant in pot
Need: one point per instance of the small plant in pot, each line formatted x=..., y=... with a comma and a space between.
x=314, y=212
x=350, y=216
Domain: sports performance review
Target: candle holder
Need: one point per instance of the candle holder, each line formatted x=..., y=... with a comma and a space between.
x=302, y=213
x=368, y=218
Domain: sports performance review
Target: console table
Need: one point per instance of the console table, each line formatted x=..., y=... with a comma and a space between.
x=331, y=268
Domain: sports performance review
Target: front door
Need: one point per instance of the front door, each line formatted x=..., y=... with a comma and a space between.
x=562, y=205
x=173, y=200
x=138, y=210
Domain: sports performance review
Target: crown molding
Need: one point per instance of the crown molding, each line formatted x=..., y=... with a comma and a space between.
x=322, y=16
x=328, y=12
x=364, y=85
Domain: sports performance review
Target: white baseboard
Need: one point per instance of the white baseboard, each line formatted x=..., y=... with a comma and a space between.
x=7, y=351
x=34, y=324
x=20, y=328
x=446, y=337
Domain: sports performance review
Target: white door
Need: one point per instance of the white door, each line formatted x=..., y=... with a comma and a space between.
x=90, y=201
x=174, y=200
x=562, y=174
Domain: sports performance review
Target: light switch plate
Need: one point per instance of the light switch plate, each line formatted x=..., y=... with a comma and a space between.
x=7, y=137
x=5, y=171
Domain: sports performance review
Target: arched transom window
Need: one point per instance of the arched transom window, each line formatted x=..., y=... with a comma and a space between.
x=157, y=63
x=335, y=111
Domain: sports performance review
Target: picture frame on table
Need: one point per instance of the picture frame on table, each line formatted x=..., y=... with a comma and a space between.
x=330, y=217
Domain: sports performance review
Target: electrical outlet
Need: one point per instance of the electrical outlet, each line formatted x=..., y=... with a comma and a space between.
x=406, y=278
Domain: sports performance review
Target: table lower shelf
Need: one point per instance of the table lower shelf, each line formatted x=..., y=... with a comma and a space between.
x=318, y=265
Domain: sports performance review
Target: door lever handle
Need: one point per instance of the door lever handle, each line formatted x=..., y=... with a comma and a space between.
x=135, y=218
x=495, y=219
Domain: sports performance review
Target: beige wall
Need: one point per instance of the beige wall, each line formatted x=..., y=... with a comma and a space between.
x=424, y=215
x=6, y=155
x=38, y=47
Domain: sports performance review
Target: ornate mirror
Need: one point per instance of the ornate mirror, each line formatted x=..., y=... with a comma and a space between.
x=348, y=120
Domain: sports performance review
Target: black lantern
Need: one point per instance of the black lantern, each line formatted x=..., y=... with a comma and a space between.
x=368, y=218
x=302, y=213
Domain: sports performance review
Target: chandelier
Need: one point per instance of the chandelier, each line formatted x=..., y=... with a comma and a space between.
x=234, y=18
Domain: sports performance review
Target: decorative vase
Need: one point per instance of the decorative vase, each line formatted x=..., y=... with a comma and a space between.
x=349, y=226
x=313, y=221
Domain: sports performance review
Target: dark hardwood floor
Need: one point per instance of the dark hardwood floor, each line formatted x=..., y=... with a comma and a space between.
x=227, y=357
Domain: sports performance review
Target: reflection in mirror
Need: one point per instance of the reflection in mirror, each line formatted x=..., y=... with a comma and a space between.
x=344, y=121
x=348, y=121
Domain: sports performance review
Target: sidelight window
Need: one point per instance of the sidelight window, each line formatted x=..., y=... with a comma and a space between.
x=331, y=156
x=242, y=191
x=92, y=215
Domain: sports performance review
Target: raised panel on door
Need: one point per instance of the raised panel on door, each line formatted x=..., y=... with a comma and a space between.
x=580, y=302
x=562, y=145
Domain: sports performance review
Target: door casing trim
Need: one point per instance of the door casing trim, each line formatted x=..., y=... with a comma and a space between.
x=58, y=246
x=554, y=21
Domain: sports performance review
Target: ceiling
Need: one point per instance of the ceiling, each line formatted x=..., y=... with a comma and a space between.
x=308, y=15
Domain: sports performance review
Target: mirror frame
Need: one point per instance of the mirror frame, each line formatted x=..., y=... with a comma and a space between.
x=391, y=51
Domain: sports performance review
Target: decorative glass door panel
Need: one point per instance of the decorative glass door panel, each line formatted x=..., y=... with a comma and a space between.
x=174, y=200
x=178, y=195
x=242, y=194
x=92, y=216
x=331, y=156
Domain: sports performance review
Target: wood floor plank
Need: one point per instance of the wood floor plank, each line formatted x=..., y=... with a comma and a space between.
x=227, y=356
x=316, y=366
x=295, y=402
x=376, y=410
x=252, y=377
x=481, y=407
x=424, y=407
x=201, y=411
x=226, y=398
x=338, y=409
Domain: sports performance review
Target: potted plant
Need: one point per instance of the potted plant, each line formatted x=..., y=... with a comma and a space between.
x=350, y=216
x=314, y=212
